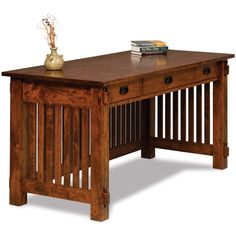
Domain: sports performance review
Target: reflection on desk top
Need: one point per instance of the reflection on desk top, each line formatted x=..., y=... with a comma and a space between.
x=100, y=71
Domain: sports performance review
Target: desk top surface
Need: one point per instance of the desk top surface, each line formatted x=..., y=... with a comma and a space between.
x=100, y=71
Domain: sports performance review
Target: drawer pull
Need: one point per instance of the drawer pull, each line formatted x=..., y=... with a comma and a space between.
x=124, y=90
x=206, y=70
x=168, y=79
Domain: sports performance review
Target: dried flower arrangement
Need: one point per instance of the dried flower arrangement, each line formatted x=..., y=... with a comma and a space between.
x=49, y=26
x=53, y=60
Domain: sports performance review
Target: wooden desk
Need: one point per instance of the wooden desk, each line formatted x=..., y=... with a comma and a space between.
x=67, y=125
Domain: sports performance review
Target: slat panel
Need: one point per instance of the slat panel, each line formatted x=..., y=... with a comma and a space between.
x=67, y=144
x=118, y=125
x=199, y=114
x=207, y=113
x=84, y=147
x=128, y=122
x=41, y=141
x=57, y=146
x=191, y=115
x=167, y=114
x=133, y=122
x=32, y=143
x=138, y=120
x=175, y=115
x=160, y=116
x=49, y=142
x=123, y=124
x=76, y=147
x=183, y=115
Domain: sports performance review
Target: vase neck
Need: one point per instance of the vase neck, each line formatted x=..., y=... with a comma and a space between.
x=53, y=49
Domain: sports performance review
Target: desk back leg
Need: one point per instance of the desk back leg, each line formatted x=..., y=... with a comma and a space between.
x=220, y=145
x=148, y=127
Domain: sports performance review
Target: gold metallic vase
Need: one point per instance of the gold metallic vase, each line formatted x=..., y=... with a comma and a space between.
x=54, y=61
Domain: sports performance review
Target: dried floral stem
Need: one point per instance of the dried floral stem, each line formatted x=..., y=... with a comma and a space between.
x=50, y=30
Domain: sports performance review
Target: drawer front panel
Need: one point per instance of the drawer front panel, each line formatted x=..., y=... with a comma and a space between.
x=205, y=72
x=167, y=81
x=124, y=91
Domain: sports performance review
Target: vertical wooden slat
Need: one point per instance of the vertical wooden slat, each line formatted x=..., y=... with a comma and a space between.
x=67, y=144
x=138, y=122
x=183, y=115
x=133, y=121
x=76, y=147
x=123, y=124
x=113, y=126
x=25, y=138
x=49, y=142
x=32, y=143
x=41, y=142
x=128, y=122
x=110, y=127
x=207, y=113
x=167, y=114
x=199, y=114
x=160, y=116
x=175, y=115
x=57, y=146
x=118, y=125
x=84, y=147
x=191, y=115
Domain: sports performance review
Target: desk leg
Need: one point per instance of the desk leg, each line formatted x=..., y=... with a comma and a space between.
x=99, y=156
x=17, y=163
x=148, y=127
x=220, y=145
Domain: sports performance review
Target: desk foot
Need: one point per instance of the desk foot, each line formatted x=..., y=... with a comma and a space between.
x=220, y=164
x=17, y=198
x=99, y=212
x=148, y=153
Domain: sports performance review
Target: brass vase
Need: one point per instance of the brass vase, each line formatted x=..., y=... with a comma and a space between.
x=54, y=61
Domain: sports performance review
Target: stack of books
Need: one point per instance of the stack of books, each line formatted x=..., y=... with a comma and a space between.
x=148, y=47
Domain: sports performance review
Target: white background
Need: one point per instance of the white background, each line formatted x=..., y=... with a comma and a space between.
x=174, y=194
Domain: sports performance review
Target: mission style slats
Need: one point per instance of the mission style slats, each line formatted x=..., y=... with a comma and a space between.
x=59, y=148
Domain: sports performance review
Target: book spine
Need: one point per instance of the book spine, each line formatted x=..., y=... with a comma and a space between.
x=148, y=44
x=148, y=53
x=153, y=53
x=153, y=49
x=149, y=49
x=142, y=44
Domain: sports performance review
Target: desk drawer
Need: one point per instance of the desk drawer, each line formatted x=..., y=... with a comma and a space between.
x=124, y=91
x=168, y=81
x=205, y=72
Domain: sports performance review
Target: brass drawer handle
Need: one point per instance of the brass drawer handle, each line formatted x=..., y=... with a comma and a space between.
x=124, y=90
x=206, y=70
x=168, y=79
